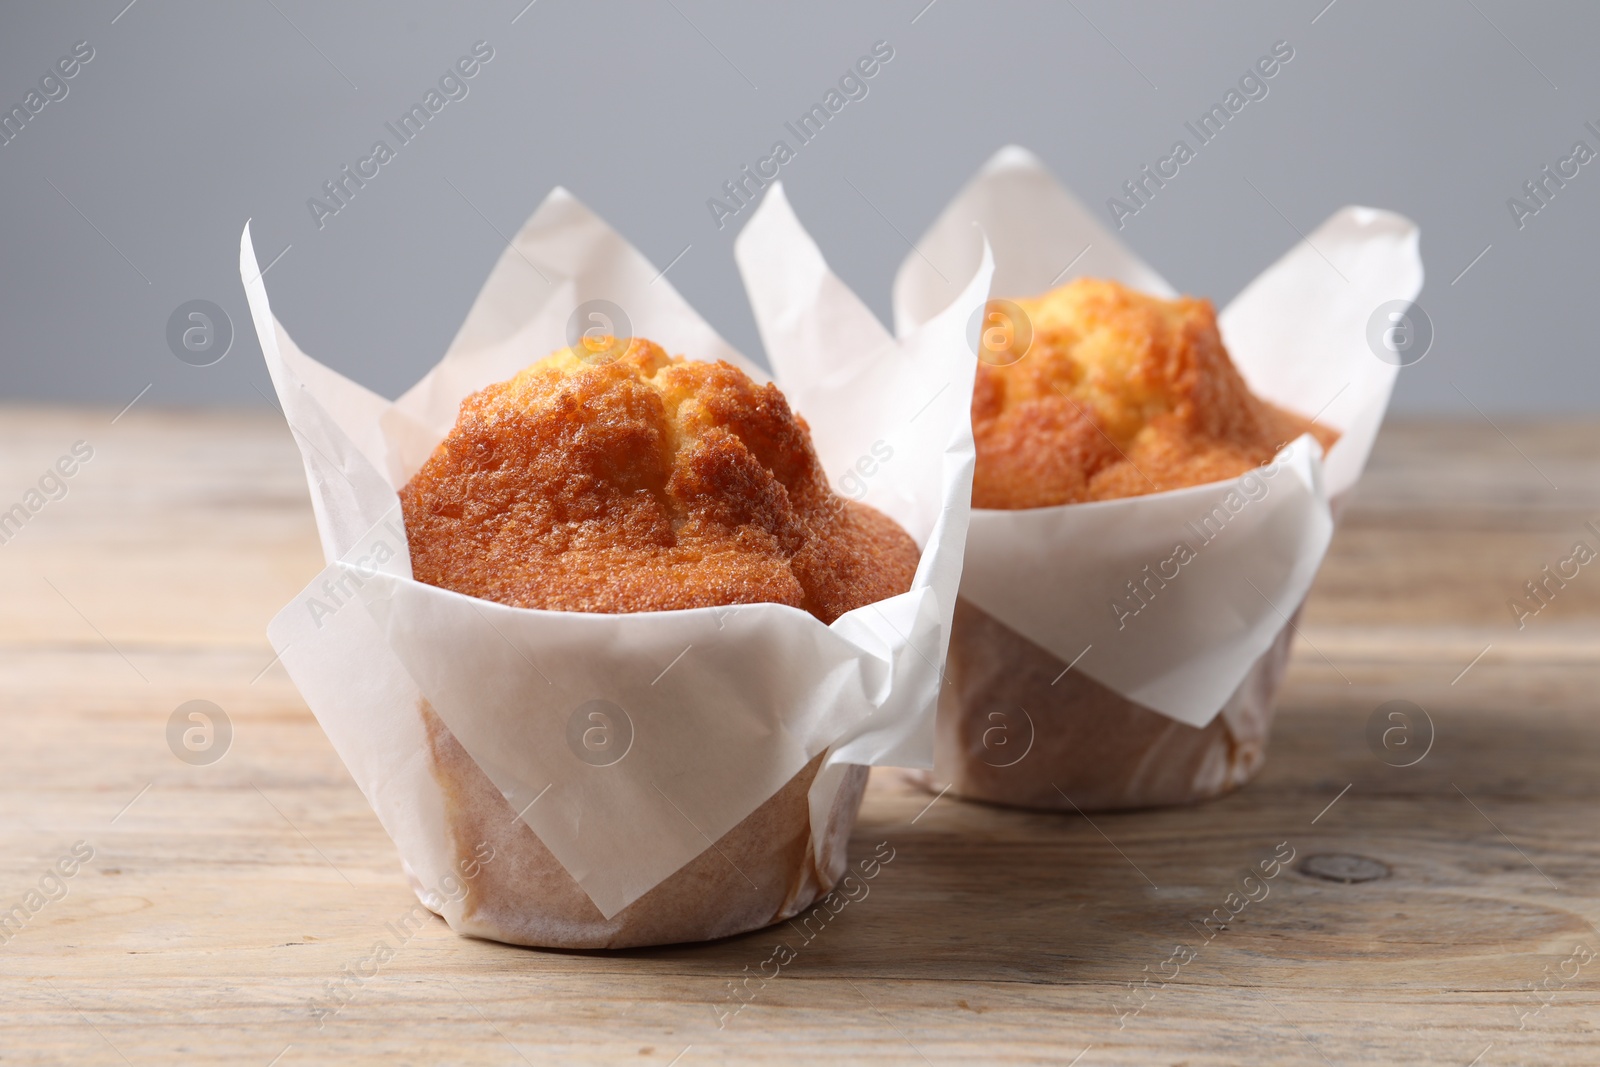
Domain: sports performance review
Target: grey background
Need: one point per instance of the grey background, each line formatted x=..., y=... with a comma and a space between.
x=194, y=116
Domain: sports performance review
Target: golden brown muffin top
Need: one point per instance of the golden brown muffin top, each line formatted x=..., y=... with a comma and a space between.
x=1118, y=394
x=648, y=483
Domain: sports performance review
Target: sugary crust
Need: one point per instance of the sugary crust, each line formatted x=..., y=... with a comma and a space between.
x=1118, y=394
x=646, y=483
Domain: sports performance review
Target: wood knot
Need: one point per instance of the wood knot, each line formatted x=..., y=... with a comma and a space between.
x=1343, y=867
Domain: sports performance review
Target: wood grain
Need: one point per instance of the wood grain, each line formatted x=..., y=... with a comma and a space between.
x=221, y=899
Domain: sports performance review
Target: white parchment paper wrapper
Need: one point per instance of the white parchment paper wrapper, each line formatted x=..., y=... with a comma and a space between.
x=721, y=707
x=1297, y=334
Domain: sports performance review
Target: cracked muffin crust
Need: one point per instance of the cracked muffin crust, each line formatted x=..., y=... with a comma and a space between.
x=1115, y=394
x=647, y=483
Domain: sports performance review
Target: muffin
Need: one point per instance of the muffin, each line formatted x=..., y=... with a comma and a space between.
x=1106, y=392
x=1096, y=392
x=613, y=478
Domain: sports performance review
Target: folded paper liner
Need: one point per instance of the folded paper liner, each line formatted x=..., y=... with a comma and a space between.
x=716, y=710
x=1069, y=578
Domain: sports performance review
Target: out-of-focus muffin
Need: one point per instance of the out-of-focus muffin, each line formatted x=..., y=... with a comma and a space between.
x=1105, y=392
x=646, y=483
x=1096, y=392
x=612, y=477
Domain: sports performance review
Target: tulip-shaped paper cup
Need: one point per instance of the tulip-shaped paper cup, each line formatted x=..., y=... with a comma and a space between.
x=584, y=780
x=1126, y=653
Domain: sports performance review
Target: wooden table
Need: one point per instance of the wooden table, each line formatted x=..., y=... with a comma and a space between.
x=220, y=899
